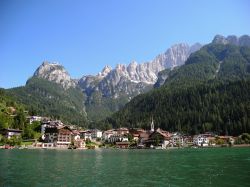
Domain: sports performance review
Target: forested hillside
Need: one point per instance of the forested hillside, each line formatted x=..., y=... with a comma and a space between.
x=12, y=114
x=211, y=92
x=52, y=100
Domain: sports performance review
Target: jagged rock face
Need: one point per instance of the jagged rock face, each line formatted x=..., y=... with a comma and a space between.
x=56, y=73
x=89, y=83
x=162, y=76
x=124, y=79
x=219, y=39
x=244, y=40
x=234, y=40
x=106, y=70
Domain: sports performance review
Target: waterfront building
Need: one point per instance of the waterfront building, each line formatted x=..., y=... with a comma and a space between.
x=201, y=140
x=96, y=133
x=50, y=124
x=188, y=140
x=117, y=138
x=8, y=133
x=106, y=134
x=58, y=136
x=135, y=137
x=177, y=140
x=78, y=142
x=143, y=138
x=135, y=132
x=159, y=138
x=86, y=135
x=122, y=131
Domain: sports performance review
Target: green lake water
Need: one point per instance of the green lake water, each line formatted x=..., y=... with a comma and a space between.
x=182, y=167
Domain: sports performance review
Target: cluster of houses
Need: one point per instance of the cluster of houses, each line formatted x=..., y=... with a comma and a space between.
x=159, y=138
x=57, y=135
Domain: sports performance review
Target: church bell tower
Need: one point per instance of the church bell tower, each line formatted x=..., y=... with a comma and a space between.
x=152, y=126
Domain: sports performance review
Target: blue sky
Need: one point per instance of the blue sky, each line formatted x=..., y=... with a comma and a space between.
x=85, y=35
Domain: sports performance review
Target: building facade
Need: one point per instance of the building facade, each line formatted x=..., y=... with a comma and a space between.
x=200, y=140
x=58, y=136
x=8, y=133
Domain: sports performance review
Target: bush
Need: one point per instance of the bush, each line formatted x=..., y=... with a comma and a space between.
x=14, y=140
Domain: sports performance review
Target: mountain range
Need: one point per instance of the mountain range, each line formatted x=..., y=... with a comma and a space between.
x=104, y=93
x=122, y=80
x=52, y=91
x=210, y=92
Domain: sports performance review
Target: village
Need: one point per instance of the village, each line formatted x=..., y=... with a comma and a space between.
x=56, y=135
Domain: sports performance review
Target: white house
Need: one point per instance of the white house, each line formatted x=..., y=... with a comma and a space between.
x=78, y=142
x=177, y=140
x=34, y=118
x=86, y=135
x=117, y=138
x=106, y=134
x=200, y=140
x=95, y=133
x=8, y=133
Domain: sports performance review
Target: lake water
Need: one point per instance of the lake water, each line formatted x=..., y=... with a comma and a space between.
x=182, y=167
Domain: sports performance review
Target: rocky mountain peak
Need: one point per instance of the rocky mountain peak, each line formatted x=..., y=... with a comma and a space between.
x=195, y=47
x=244, y=40
x=232, y=39
x=219, y=39
x=176, y=55
x=105, y=71
x=120, y=67
x=56, y=73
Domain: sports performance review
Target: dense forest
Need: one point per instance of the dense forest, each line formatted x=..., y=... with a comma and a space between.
x=219, y=107
x=211, y=92
x=14, y=115
x=49, y=99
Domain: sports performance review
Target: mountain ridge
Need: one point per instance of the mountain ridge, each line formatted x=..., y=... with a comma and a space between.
x=111, y=81
x=209, y=93
x=108, y=91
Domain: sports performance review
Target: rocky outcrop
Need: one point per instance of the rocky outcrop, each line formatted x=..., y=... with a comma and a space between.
x=56, y=73
x=232, y=39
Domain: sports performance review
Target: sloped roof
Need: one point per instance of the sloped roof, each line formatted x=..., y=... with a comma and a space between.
x=144, y=135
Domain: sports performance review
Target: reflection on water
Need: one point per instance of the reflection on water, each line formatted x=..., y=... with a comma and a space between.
x=186, y=167
x=98, y=159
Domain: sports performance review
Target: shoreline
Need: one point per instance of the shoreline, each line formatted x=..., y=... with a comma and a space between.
x=168, y=148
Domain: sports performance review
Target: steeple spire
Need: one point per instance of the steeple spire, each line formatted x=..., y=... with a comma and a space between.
x=152, y=126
